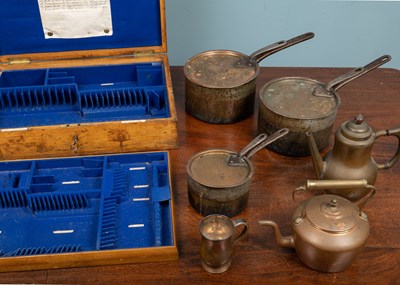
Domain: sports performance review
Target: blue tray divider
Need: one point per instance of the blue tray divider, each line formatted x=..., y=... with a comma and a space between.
x=43, y=250
x=27, y=251
x=33, y=99
x=82, y=95
x=64, y=249
x=14, y=191
x=58, y=201
x=159, y=194
x=115, y=182
x=118, y=101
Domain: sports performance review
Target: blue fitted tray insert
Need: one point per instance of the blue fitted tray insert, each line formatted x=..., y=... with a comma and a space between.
x=85, y=204
x=75, y=95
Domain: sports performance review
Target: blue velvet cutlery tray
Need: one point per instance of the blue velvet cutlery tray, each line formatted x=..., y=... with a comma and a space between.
x=75, y=205
x=74, y=95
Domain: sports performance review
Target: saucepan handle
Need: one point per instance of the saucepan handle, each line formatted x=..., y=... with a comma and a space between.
x=335, y=84
x=262, y=53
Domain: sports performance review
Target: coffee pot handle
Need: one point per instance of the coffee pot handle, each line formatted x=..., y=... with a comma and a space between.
x=386, y=133
x=243, y=232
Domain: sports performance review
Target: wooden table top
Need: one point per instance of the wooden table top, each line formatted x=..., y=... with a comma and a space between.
x=257, y=259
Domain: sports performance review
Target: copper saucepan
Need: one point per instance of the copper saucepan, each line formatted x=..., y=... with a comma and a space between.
x=219, y=179
x=302, y=105
x=220, y=85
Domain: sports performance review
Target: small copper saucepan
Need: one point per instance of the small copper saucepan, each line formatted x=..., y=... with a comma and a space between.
x=219, y=179
x=220, y=85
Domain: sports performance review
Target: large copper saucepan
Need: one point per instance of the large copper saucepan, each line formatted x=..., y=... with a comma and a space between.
x=220, y=85
x=304, y=105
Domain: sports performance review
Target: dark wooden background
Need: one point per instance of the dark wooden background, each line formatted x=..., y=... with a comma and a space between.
x=257, y=259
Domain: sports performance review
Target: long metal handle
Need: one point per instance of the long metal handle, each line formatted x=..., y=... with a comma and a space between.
x=237, y=159
x=335, y=184
x=254, y=143
x=258, y=143
x=386, y=133
x=275, y=136
x=262, y=53
x=340, y=81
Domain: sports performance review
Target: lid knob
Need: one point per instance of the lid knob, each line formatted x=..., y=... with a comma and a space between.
x=333, y=205
x=359, y=119
x=356, y=129
x=332, y=213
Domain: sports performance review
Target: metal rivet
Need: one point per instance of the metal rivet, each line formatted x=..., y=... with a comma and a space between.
x=106, y=31
x=298, y=220
x=363, y=216
x=50, y=34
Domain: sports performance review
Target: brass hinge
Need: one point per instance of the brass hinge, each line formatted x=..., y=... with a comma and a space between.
x=143, y=53
x=19, y=61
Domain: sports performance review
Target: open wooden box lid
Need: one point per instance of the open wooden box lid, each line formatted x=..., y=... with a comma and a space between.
x=47, y=29
x=72, y=85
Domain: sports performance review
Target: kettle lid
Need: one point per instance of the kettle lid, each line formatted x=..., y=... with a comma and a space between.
x=332, y=213
x=357, y=129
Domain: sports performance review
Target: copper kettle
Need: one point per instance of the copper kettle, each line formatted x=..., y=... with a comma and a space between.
x=328, y=231
x=351, y=157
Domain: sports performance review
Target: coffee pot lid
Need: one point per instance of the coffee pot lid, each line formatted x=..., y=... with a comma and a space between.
x=332, y=213
x=357, y=129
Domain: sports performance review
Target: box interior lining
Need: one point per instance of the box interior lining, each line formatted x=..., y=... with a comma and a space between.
x=76, y=95
x=85, y=204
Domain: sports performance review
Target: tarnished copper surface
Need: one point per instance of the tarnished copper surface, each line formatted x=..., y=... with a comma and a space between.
x=221, y=69
x=332, y=213
x=328, y=231
x=351, y=156
x=211, y=169
x=218, y=236
x=214, y=187
x=289, y=102
x=293, y=97
x=220, y=105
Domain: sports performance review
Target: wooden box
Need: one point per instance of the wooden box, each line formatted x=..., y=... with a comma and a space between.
x=77, y=90
x=86, y=211
x=88, y=79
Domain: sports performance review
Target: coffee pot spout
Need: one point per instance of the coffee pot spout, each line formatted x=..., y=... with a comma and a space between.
x=319, y=164
x=282, y=241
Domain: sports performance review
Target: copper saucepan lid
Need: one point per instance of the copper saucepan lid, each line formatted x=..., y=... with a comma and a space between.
x=219, y=168
x=304, y=98
x=230, y=69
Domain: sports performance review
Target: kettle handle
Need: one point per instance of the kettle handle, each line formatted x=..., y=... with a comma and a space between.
x=386, y=133
x=336, y=184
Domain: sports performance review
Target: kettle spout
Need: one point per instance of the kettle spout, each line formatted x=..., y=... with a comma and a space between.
x=282, y=241
x=319, y=165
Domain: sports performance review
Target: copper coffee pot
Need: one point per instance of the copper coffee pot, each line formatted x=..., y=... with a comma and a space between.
x=351, y=157
x=328, y=231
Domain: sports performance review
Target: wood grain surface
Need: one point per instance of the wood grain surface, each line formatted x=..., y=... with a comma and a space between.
x=257, y=259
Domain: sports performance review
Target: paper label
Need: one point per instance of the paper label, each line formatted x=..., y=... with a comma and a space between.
x=71, y=19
